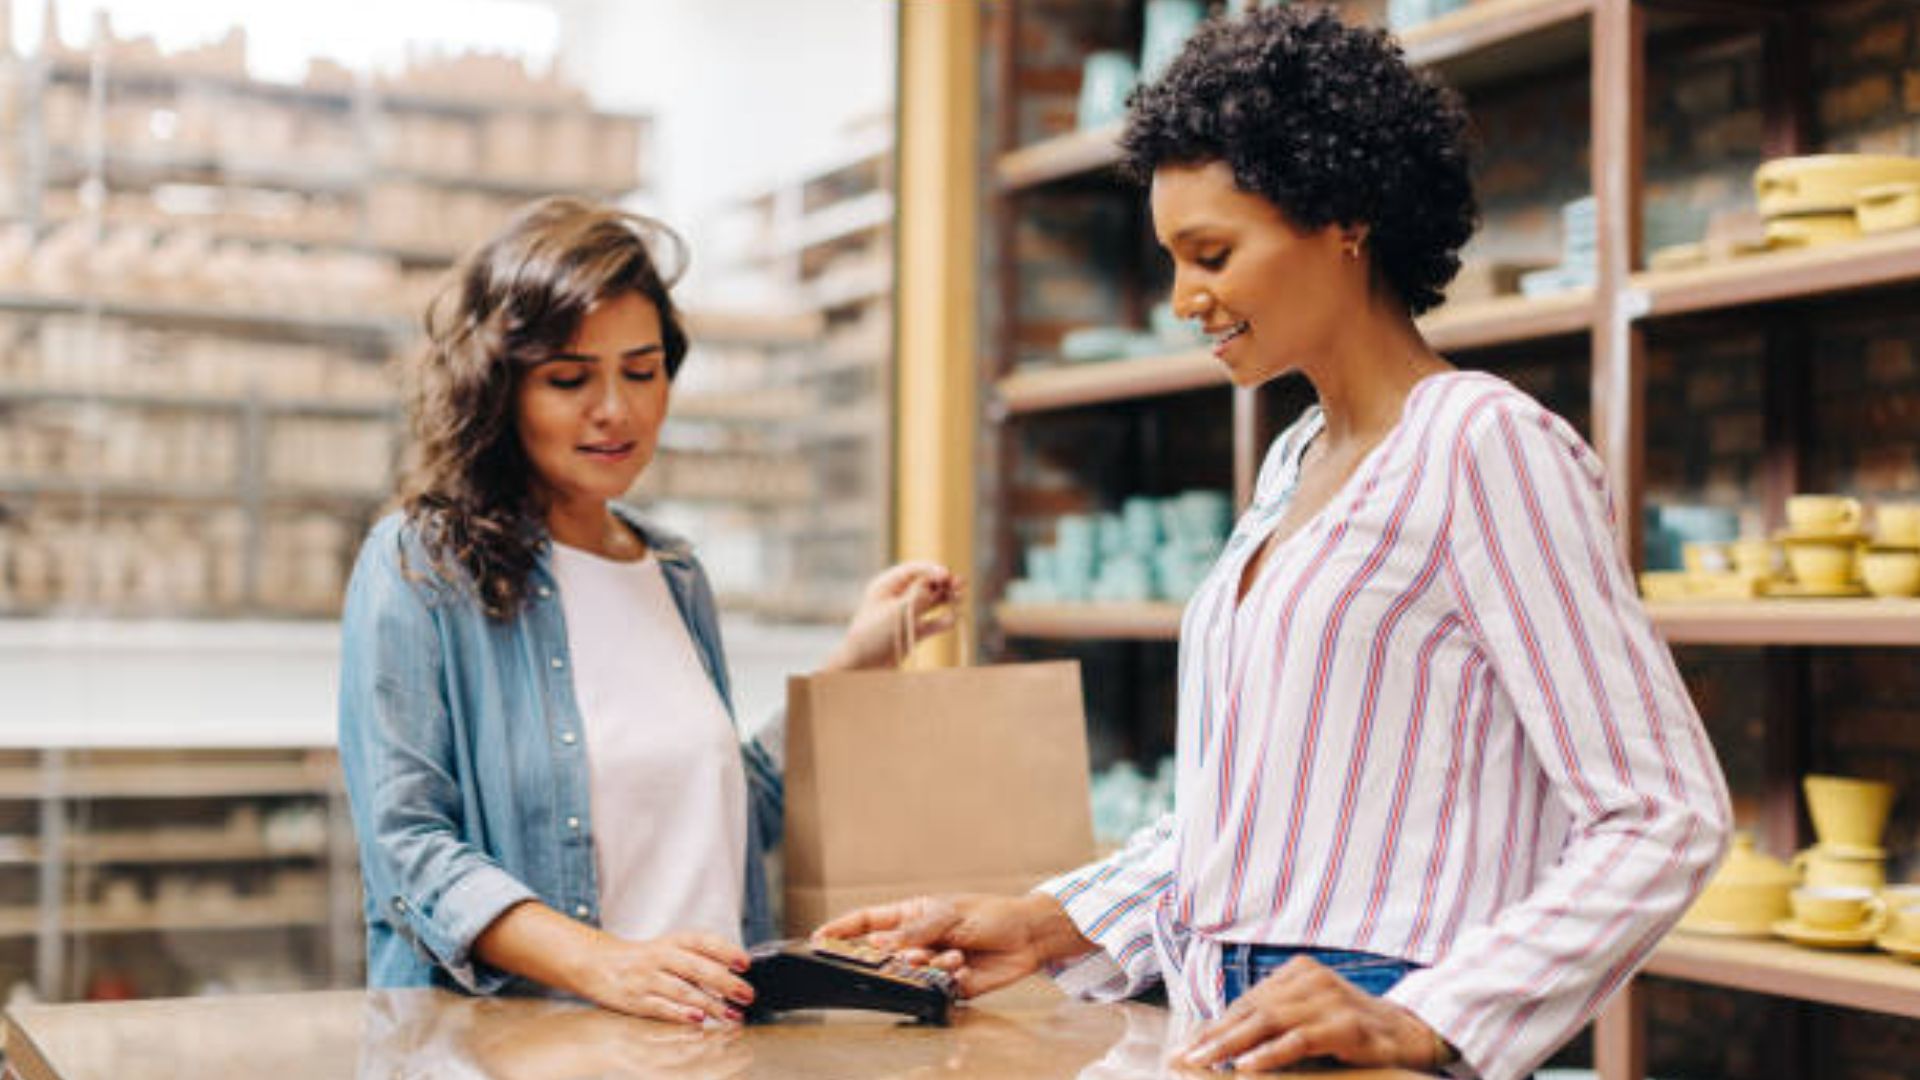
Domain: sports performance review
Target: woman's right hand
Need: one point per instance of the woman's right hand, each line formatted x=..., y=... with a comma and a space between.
x=987, y=941
x=683, y=978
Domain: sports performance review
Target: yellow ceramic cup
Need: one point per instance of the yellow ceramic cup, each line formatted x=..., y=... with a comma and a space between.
x=1756, y=558
x=1823, y=514
x=1838, y=907
x=1898, y=523
x=1848, y=812
x=1903, y=923
x=1891, y=571
x=1821, y=564
x=1818, y=868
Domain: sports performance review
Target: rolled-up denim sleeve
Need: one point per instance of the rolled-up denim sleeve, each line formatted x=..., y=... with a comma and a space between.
x=397, y=748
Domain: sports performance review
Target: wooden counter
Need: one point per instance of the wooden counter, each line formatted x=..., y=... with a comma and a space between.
x=1027, y=1032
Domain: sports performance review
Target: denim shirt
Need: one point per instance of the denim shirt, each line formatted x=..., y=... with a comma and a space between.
x=465, y=764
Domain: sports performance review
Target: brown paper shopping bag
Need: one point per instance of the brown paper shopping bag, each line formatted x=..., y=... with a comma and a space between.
x=908, y=782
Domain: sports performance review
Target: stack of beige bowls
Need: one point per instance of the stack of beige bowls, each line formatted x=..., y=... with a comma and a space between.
x=1823, y=539
x=1891, y=567
x=1833, y=198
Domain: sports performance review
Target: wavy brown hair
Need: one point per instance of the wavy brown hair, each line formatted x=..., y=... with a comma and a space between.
x=470, y=491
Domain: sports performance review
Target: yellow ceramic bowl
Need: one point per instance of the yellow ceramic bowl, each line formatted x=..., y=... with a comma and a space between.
x=1821, y=564
x=1826, y=183
x=1891, y=571
x=1812, y=230
x=1886, y=207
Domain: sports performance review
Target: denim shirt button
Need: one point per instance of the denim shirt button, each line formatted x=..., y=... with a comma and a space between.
x=581, y=911
x=557, y=663
x=573, y=823
x=546, y=592
x=567, y=737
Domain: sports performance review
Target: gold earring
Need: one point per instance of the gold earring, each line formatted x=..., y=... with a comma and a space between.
x=1353, y=248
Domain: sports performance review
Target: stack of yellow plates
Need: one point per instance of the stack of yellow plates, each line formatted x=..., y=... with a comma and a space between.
x=1823, y=198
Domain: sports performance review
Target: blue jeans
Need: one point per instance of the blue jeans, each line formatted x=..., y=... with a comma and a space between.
x=1246, y=965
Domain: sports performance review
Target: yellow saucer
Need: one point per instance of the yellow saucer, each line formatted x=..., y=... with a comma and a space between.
x=1850, y=851
x=1907, y=949
x=1789, y=536
x=1717, y=928
x=1813, y=937
x=1794, y=588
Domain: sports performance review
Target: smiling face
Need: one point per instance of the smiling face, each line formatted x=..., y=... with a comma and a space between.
x=589, y=416
x=1268, y=293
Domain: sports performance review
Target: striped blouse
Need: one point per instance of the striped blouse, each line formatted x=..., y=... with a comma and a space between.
x=1439, y=727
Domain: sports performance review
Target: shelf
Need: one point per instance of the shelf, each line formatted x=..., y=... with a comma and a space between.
x=714, y=326
x=518, y=187
x=213, y=317
x=1869, y=262
x=1788, y=622
x=1077, y=153
x=118, y=490
x=1871, y=981
x=1508, y=320
x=81, y=71
x=143, y=848
x=124, y=167
x=843, y=220
x=1493, y=40
x=170, y=781
x=337, y=409
x=239, y=914
x=474, y=104
x=1069, y=385
x=1141, y=622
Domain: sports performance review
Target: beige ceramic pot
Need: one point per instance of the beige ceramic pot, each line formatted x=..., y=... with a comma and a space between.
x=1746, y=897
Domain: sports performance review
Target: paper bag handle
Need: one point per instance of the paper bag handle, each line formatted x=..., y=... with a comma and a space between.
x=905, y=632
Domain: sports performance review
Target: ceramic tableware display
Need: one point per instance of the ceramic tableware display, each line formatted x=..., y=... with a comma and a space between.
x=1168, y=25
x=1153, y=549
x=1897, y=524
x=1746, y=896
x=1822, y=199
x=1860, y=868
x=1849, y=813
x=1887, y=207
x=1833, y=917
x=1891, y=571
x=1106, y=78
x=1822, y=540
x=1902, y=935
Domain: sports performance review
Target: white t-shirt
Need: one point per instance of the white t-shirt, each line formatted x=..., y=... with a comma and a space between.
x=667, y=787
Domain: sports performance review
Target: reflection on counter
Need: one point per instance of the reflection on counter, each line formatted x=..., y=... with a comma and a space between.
x=1027, y=1031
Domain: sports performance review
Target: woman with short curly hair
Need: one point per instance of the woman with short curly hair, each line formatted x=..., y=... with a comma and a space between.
x=535, y=718
x=1441, y=787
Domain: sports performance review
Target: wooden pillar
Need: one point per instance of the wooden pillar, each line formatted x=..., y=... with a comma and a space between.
x=937, y=408
x=1619, y=1035
x=1619, y=347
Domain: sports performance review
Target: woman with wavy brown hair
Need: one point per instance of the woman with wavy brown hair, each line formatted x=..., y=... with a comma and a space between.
x=535, y=718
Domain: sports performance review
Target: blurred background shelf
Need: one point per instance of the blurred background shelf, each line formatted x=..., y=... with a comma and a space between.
x=1071, y=622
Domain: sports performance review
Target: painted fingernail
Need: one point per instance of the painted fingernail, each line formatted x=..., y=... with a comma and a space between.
x=695, y=1016
x=733, y=1014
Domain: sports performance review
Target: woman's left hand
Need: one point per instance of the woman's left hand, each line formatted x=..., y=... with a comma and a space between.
x=875, y=635
x=1305, y=1011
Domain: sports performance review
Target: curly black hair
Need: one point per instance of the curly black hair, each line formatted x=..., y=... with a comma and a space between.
x=1327, y=122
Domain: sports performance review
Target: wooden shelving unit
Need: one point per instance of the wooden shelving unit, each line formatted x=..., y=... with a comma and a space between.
x=1069, y=386
x=1509, y=320
x=1503, y=42
x=1073, y=622
x=1867, y=263
x=1077, y=153
x=1872, y=981
x=1789, y=622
